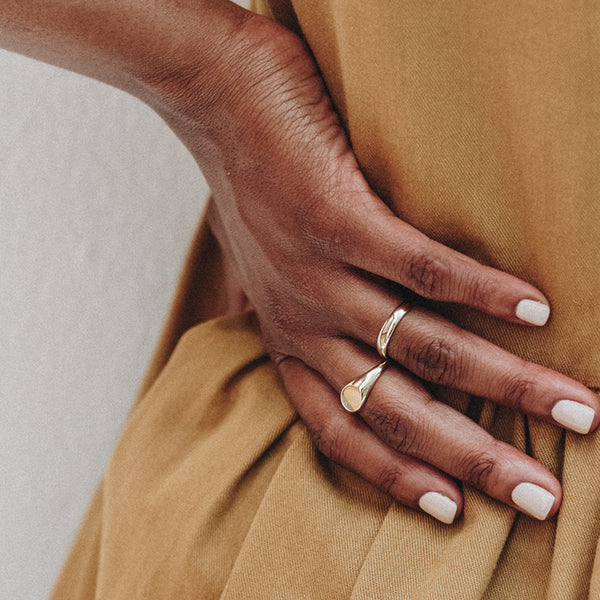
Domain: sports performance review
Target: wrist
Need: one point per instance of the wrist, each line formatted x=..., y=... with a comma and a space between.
x=183, y=60
x=221, y=93
x=128, y=43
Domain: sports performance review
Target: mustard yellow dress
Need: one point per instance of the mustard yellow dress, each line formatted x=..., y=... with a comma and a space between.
x=479, y=123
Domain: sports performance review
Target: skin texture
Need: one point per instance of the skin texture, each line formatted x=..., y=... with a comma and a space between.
x=317, y=254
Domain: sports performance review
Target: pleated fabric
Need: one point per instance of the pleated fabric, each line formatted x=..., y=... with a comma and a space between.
x=479, y=123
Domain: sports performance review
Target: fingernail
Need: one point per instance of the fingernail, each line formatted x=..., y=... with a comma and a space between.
x=438, y=506
x=574, y=415
x=533, y=312
x=533, y=499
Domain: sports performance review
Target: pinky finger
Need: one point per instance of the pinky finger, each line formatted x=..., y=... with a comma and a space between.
x=346, y=439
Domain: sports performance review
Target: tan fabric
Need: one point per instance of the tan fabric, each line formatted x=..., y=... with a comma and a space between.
x=479, y=123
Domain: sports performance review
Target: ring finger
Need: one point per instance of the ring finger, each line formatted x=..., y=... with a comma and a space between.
x=347, y=440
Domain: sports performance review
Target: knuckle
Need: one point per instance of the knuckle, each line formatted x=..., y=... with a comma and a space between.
x=319, y=440
x=515, y=391
x=425, y=275
x=436, y=360
x=481, y=291
x=332, y=441
x=323, y=227
x=285, y=324
x=397, y=430
x=476, y=468
x=388, y=479
x=278, y=321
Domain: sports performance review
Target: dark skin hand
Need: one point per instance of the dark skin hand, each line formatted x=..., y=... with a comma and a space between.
x=305, y=235
x=314, y=250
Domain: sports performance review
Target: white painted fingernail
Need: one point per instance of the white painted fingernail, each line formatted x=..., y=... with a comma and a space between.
x=533, y=499
x=574, y=415
x=438, y=506
x=533, y=312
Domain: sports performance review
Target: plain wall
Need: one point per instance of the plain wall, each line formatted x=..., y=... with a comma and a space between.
x=98, y=204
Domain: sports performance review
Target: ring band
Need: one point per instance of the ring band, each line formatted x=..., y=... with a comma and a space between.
x=387, y=330
x=355, y=394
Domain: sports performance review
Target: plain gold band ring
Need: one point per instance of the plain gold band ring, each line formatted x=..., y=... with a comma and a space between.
x=355, y=394
x=387, y=330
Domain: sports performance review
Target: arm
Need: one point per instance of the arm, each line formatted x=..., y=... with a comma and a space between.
x=125, y=43
x=314, y=247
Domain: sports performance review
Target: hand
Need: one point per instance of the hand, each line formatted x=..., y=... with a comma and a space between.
x=324, y=262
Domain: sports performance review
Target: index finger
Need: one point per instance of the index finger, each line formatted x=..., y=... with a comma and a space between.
x=381, y=243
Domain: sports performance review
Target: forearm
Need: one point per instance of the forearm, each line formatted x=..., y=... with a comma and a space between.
x=122, y=42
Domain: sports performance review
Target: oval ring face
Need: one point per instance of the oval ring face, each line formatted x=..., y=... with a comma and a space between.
x=355, y=393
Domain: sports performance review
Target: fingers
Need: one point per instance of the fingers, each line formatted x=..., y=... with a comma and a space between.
x=438, y=351
x=345, y=439
x=383, y=244
x=408, y=419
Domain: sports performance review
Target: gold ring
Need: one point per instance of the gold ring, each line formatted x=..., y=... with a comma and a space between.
x=355, y=394
x=387, y=330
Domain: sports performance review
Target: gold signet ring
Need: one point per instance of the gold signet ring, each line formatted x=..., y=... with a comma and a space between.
x=355, y=394
x=387, y=330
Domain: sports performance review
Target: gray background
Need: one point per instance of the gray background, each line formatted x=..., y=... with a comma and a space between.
x=98, y=204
